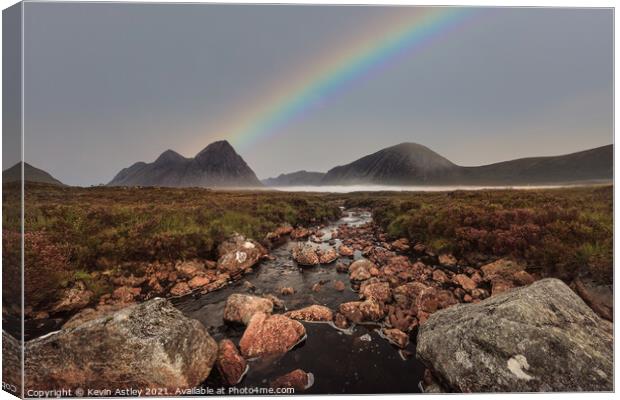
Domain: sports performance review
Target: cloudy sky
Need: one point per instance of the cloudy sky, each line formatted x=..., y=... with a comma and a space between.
x=111, y=84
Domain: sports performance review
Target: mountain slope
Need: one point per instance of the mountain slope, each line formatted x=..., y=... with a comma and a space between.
x=31, y=174
x=588, y=165
x=217, y=165
x=413, y=164
x=406, y=163
x=299, y=178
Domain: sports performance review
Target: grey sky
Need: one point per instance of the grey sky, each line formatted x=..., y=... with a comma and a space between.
x=111, y=84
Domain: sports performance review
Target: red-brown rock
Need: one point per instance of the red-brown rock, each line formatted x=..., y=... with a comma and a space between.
x=270, y=335
x=312, y=313
x=231, y=365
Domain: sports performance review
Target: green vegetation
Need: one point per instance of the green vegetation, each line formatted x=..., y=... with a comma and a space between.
x=562, y=232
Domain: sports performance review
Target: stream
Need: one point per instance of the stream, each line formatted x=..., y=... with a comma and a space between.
x=356, y=361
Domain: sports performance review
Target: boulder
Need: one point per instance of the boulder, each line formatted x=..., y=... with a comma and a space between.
x=328, y=255
x=198, y=281
x=378, y=290
x=143, y=346
x=298, y=379
x=311, y=313
x=270, y=335
x=362, y=311
x=360, y=270
x=241, y=307
x=305, y=254
x=541, y=337
x=230, y=364
x=339, y=285
x=88, y=314
x=11, y=364
x=439, y=276
x=238, y=255
x=345, y=251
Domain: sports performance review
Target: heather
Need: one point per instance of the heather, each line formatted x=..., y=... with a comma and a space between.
x=564, y=233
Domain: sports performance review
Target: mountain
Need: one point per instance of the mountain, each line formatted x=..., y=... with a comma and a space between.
x=414, y=164
x=31, y=174
x=406, y=163
x=217, y=165
x=299, y=178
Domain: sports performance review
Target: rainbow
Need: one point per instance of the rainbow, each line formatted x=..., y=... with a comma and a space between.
x=395, y=37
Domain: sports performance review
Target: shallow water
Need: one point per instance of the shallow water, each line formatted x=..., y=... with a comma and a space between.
x=341, y=362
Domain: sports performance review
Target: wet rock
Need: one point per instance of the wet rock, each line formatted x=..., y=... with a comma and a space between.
x=379, y=255
x=380, y=291
x=406, y=295
x=143, y=346
x=396, y=337
x=401, y=245
x=360, y=270
x=599, y=297
x=362, y=311
x=345, y=251
x=298, y=379
x=341, y=321
x=231, y=365
x=328, y=255
x=238, y=255
x=540, y=337
x=270, y=335
x=312, y=313
x=277, y=303
x=305, y=254
x=287, y=291
x=74, y=298
x=180, y=289
x=316, y=287
x=447, y=260
x=241, y=307
x=339, y=286
x=342, y=267
x=465, y=282
x=401, y=319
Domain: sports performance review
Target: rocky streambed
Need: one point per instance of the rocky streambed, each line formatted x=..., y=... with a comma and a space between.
x=337, y=309
x=349, y=359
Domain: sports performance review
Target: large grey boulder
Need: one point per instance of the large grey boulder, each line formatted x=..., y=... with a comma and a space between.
x=541, y=337
x=143, y=346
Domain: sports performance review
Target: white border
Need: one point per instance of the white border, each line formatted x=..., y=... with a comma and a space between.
x=504, y=3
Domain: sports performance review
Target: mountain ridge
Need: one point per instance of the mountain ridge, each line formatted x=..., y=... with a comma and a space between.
x=217, y=165
x=414, y=164
x=31, y=174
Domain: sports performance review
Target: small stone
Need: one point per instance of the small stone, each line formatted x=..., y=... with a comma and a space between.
x=287, y=291
x=298, y=379
x=312, y=313
x=397, y=337
x=339, y=286
x=231, y=365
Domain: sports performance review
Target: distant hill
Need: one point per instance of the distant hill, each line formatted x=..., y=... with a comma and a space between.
x=406, y=163
x=299, y=178
x=31, y=174
x=414, y=164
x=217, y=165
